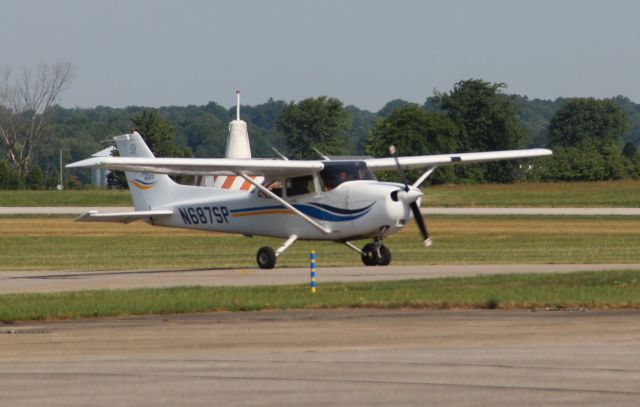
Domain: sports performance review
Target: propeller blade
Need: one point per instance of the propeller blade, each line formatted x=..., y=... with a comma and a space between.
x=413, y=205
x=421, y=225
x=393, y=152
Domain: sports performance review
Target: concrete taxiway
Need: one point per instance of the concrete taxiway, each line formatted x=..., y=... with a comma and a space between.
x=54, y=281
x=327, y=358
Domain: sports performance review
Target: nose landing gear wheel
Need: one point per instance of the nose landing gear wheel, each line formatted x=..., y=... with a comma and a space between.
x=266, y=258
x=370, y=256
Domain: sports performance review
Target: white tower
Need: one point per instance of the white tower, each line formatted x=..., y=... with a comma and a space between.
x=237, y=147
x=238, y=141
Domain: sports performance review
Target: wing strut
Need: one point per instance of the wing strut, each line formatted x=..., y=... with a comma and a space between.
x=424, y=176
x=286, y=204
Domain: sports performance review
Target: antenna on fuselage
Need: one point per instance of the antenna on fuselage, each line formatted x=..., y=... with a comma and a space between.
x=284, y=157
x=324, y=157
x=237, y=105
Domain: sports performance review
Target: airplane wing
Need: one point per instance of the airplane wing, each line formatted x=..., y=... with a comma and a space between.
x=423, y=161
x=122, y=217
x=204, y=166
x=289, y=168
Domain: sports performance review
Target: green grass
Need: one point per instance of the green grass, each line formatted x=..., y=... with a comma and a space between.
x=92, y=197
x=60, y=244
x=598, y=289
x=624, y=193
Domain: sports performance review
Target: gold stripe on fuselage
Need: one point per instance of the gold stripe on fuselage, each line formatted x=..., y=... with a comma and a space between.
x=269, y=212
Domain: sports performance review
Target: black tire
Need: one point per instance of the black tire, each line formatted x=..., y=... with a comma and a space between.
x=385, y=256
x=266, y=258
x=369, y=255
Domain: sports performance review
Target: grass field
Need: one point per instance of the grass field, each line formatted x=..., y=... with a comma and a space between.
x=625, y=193
x=58, y=243
x=91, y=197
x=611, y=289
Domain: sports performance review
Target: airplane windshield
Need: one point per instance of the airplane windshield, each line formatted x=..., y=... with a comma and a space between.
x=337, y=172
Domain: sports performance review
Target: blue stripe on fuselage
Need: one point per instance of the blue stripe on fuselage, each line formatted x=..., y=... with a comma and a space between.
x=317, y=211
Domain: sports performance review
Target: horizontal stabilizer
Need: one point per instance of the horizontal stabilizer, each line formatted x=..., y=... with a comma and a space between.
x=122, y=217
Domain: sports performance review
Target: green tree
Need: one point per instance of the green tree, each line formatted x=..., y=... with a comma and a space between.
x=632, y=112
x=581, y=120
x=534, y=117
x=263, y=116
x=578, y=163
x=486, y=121
x=584, y=162
x=361, y=124
x=207, y=136
x=631, y=159
x=314, y=122
x=389, y=107
x=414, y=131
x=158, y=133
x=590, y=130
x=7, y=177
x=630, y=150
x=35, y=179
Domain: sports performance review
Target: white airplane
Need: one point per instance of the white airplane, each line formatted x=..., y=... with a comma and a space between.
x=338, y=200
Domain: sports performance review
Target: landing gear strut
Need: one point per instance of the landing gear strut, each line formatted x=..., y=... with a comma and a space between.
x=376, y=254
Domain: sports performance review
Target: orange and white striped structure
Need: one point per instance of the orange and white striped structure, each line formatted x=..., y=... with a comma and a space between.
x=233, y=182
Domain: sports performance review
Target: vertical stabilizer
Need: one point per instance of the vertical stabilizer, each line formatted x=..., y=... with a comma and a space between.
x=148, y=190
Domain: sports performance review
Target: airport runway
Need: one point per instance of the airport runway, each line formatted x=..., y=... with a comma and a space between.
x=327, y=358
x=54, y=281
x=79, y=210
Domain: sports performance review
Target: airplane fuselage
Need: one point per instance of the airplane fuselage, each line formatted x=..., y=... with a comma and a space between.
x=356, y=209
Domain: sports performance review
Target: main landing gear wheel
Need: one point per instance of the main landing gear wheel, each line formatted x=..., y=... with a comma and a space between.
x=371, y=257
x=266, y=258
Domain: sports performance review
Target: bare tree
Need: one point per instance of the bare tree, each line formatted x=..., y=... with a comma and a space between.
x=25, y=102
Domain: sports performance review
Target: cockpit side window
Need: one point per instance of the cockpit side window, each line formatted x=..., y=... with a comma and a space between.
x=273, y=186
x=337, y=172
x=300, y=185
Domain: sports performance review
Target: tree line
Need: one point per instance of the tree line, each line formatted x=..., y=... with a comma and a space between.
x=592, y=139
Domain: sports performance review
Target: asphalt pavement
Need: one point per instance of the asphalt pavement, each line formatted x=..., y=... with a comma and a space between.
x=55, y=281
x=327, y=358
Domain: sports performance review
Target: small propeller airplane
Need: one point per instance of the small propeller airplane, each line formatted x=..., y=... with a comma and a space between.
x=338, y=200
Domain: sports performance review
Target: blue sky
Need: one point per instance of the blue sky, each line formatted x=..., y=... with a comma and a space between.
x=366, y=53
